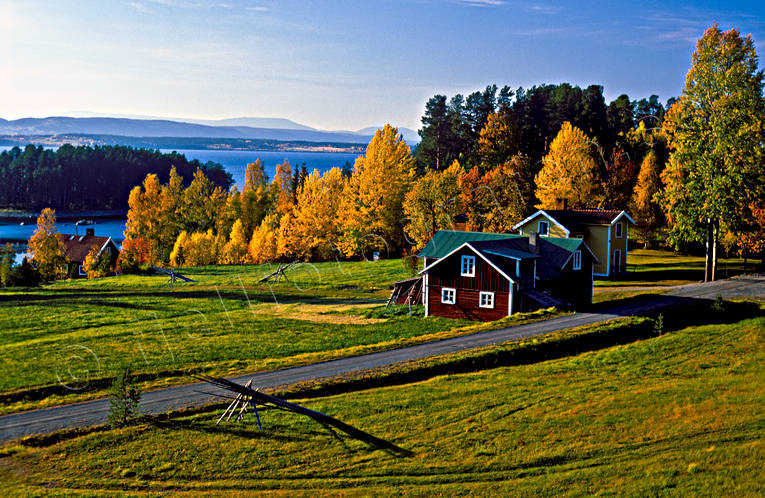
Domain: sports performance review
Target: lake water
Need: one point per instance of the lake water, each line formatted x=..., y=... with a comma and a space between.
x=233, y=161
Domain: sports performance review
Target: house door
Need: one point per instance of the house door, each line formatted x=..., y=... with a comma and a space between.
x=617, y=261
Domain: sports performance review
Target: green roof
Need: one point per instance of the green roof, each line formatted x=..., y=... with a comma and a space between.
x=510, y=253
x=569, y=245
x=445, y=241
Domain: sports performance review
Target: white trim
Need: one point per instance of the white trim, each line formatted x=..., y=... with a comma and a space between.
x=547, y=228
x=480, y=300
x=608, y=254
x=426, y=295
x=510, y=300
x=577, y=263
x=618, y=230
x=625, y=215
x=467, y=244
x=542, y=211
x=470, y=263
x=518, y=267
x=454, y=295
x=626, y=244
x=619, y=269
x=578, y=248
x=81, y=271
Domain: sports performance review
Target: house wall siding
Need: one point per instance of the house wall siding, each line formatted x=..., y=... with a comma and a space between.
x=487, y=278
x=575, y=286
x=466, y=306
x=532, y=226
x=597, y=240
x=619, y=244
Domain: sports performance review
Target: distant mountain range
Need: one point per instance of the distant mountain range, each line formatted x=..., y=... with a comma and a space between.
x=147, y=126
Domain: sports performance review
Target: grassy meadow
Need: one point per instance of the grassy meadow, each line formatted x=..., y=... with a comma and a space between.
x=677, y=412
x=62, y=342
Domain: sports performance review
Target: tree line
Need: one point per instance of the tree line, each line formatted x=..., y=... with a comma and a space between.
x=696, y=172
x=489, y=161
x=77, y=178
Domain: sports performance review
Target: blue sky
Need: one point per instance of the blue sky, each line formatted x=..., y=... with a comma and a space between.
x=337, y=64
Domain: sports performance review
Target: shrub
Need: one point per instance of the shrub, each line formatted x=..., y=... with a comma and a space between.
x=124, y=397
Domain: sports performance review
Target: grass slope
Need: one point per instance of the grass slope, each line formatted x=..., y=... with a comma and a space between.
x=62, y=343
x=680, y=413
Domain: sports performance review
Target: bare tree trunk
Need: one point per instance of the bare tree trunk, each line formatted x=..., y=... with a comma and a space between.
x=715, y=231
x=708, y=277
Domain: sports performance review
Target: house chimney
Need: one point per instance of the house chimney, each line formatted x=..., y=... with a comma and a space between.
x=534, y=242
x=90, y=232
x=561, y=203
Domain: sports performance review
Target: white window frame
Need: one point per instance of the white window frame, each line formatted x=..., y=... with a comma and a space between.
x=547, y=228
x=618, y=230
x=577, y=260
x=447, y=290
x=470, y=260
x=489, y=300
x=618, y=259
x=81, y=270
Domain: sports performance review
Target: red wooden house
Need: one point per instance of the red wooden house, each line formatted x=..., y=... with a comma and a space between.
x=483, y=276
x=77, y=247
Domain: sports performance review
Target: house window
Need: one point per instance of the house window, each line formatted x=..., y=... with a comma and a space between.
x=486, y=300
x=468, y=266
x=577, y=260
x=448, y=296
x=82, y=270
x=618, y=230
x=543, y=228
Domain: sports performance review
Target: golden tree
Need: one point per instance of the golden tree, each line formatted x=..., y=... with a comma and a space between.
x=569, y=171
x=235, y=250
x=255, y=200
x=372, y=214
x=716, y=171
x=262, y=246
x=97, y=264
x=281, y=188
x=46, y=248
x=433, y=203
x=498, y=140
x=311, y=232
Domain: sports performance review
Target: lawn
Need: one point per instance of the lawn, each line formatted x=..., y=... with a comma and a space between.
x=62, y=342
x=660, y=268
x=678, y=413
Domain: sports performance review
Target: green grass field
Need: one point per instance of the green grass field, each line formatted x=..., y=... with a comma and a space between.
x=659, y=268
x=678, y=413
x=62, y=342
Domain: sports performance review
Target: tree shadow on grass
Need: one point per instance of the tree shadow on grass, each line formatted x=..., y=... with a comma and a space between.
x=112, y=298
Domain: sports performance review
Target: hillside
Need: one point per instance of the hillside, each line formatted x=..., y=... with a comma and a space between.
x=678, y=413
x=123, y=129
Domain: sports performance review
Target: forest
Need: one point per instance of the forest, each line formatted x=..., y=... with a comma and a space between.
x=79, y=178
x=488, y=160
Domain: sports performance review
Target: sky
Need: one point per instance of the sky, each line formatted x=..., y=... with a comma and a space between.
x=340, y=65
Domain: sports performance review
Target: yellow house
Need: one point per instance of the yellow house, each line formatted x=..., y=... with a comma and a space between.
x=605, y=232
